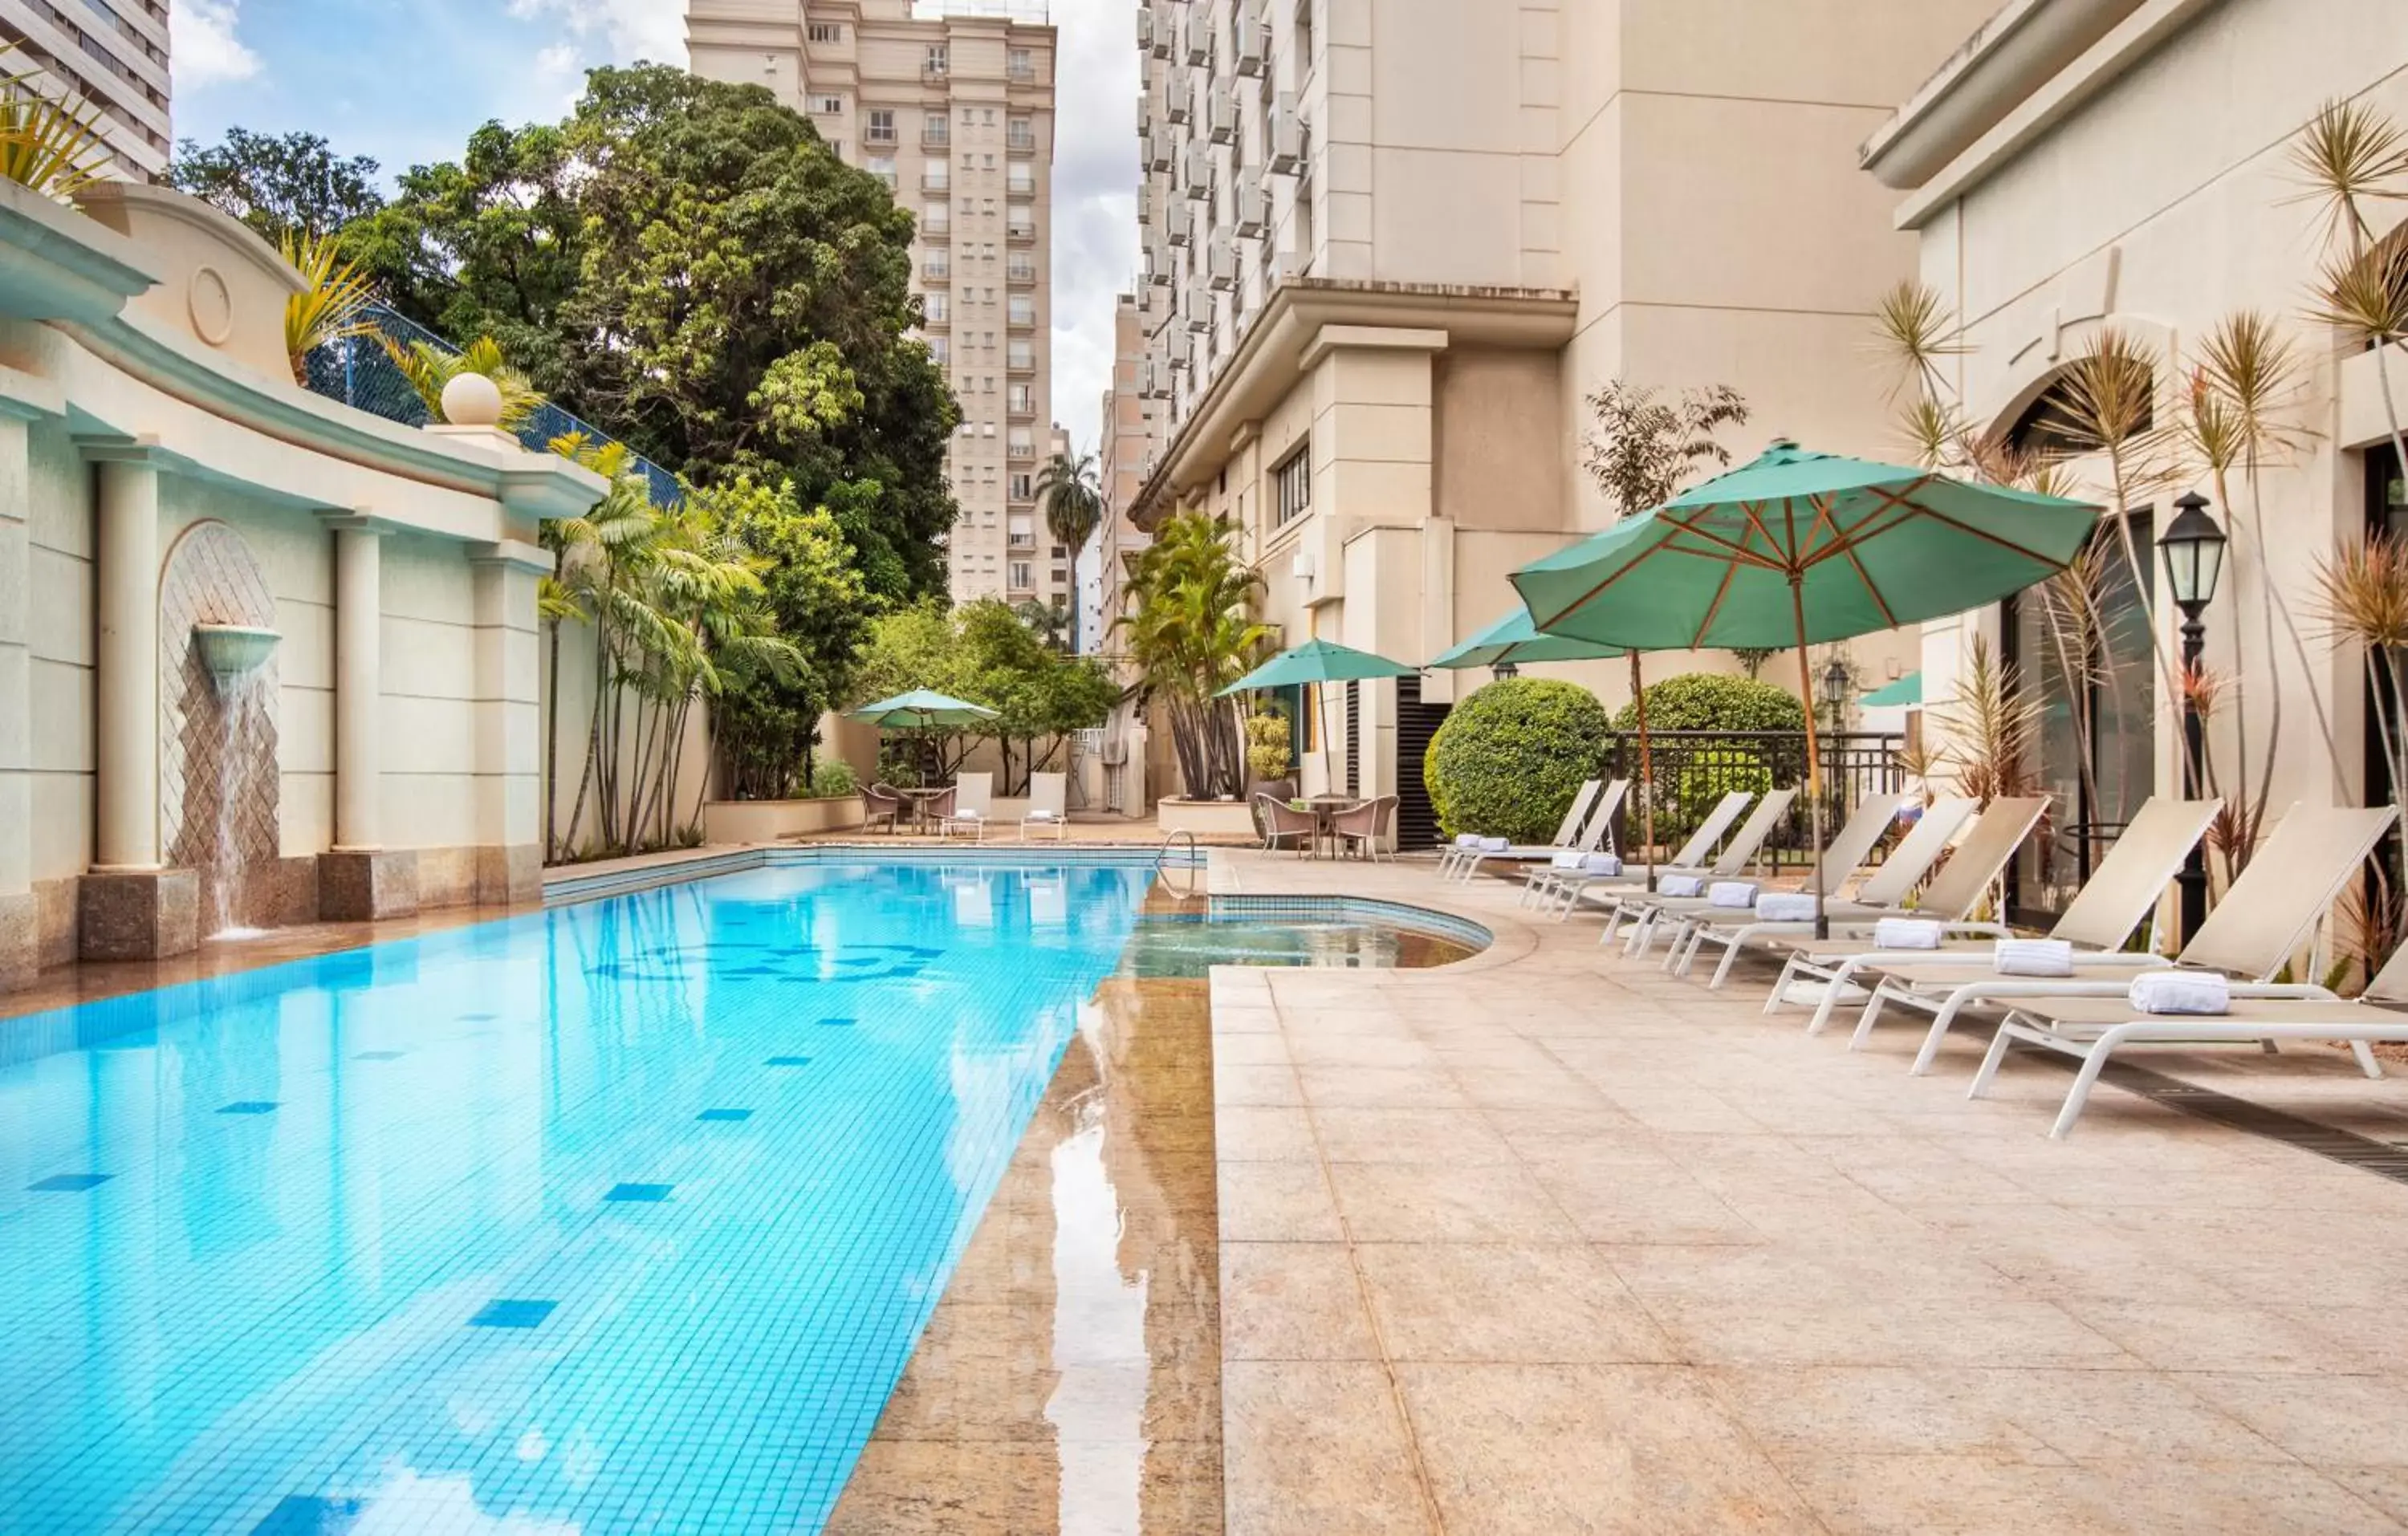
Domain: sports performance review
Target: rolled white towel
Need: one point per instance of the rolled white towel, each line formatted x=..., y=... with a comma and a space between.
x=2034, y=957
x=1683, y=886
x=1466, y=839
x=1906, y=933
x=1738, y=894
x=1495, y=845
x=2181, y=992
x=968, y=816
x=1785, y=906
x=1573, y=860
x=1044, y=816
x=1604, y=864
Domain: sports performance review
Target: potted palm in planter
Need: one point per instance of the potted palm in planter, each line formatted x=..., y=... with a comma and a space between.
x=1271, y=766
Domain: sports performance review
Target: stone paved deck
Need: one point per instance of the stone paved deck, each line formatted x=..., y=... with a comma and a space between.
x=1546, y=1242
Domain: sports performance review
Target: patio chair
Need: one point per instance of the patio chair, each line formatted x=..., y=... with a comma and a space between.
x=2252, y=934
x=2092, y=1031
x=880, y=803
x=1452, y=857
x=967, y=807
x=1562, y=882
x=1049, y=802
x=1847, y=848
x=1282, y=820
x=1991, y=838
x=1601, y=821
x=1632, y=899
x=2119, y=896
x=1366, y=825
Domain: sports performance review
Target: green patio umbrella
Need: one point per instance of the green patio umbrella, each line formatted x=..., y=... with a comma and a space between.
x=1514, y=639
x=1318, y=661
x=1906, y=689
x=1798, y=547
x=921, y=710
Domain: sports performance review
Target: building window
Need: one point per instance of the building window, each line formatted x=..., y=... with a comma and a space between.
x=1024, y=486
x=937, y=60
x=825, y=31
x=1024, y=400
x=882, y=126
x=1292, y=485
x=883, y=168
x=934, y=306
x=827, y=105
x=1023, y=578
x=1020, y=135
x=936, y=128
x=1020, y=63
x=940, y=349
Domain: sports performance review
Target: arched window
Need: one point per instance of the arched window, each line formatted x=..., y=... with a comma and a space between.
x=2061, y=421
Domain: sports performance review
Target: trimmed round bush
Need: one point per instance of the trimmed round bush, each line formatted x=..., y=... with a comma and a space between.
x=1507, y=761
x=1709, y=702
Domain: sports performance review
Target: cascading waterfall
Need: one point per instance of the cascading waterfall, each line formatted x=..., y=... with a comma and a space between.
x=242, y=708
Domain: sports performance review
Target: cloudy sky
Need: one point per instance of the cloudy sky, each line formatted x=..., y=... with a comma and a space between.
x=405, y=80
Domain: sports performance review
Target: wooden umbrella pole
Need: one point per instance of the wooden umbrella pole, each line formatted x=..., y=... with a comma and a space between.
x=1646, y=771
x=1814, y=755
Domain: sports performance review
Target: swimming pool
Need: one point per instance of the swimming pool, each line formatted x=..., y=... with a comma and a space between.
x=620, y=1216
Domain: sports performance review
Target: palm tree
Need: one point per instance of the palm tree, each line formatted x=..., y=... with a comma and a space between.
x=1191, y=634
x=48, y=144
x=1072, y=500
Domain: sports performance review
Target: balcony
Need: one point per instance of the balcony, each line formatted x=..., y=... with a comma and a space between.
x=1021, y=453
x=1022, y=542
x=1022, y=183
x=1022, y=75
x=936, y=135
x=936, y=179
x=934, y=71
x=1021, y=271
x=877, y=138
x=934, y=269
x=1018, y=361
x=1021, y=142
x=1021, y=318
x=1022, y=408
x=1021, y=234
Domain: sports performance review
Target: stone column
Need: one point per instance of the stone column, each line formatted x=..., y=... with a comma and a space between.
x=24, y=400
x=359, y=879
x=130, y=907
x=510, y=721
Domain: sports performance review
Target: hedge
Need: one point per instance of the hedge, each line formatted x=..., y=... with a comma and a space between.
x=1507, y=761
x=1709, y=702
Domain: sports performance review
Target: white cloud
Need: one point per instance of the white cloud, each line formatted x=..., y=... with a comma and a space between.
x=202, y=46
x=626, y=30
x=1094, y=201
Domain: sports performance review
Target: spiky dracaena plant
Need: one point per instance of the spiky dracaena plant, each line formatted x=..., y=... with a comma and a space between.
x=2349, y=158
x=332, y=304
x=2361, y=598
x=2105, y=403
x=1992, y=726
x=49, y=144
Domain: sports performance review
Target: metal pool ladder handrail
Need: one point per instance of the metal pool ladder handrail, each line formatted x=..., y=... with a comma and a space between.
x=1194, y=853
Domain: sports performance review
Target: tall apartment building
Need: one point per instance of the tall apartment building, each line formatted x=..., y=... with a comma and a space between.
x=112, y=54
x=955, y=112
x=1384, y=265
x=1130, y=431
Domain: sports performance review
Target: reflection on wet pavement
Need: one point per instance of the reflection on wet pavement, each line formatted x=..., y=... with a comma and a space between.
x=1069, y=1379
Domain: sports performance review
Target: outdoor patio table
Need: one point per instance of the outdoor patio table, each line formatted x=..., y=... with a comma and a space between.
x=920, y=800
x=1326, y=809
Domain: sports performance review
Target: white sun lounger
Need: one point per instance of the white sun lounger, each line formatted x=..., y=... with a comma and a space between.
x=1846, y=849
x=1554, y=883
x=1599, y=821
x=1048, y=805
x=1636, y=902
x=2119, y=896
x=1567, y=833
x=2093, y=1030
x=2252, y=934
x=1991, y=841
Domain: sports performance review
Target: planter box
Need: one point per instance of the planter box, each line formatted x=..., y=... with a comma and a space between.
x=1225, y=820
x=767, y=821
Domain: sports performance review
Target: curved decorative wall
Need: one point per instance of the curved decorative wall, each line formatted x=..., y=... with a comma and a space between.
x=218, y=813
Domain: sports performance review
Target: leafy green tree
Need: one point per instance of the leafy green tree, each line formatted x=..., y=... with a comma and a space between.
x=688, y=263
x=766, y=723
x=288, y=185
x=1051, y=622
x=1191, y=633
x=982, y=652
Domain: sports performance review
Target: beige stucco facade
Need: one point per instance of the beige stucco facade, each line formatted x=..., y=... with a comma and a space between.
x=161, y=474
x=955, y=112
x=2088, y=164
x=1399, y=244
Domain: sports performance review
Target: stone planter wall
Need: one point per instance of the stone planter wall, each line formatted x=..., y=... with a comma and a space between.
x=1224, y=820
x=767, y=821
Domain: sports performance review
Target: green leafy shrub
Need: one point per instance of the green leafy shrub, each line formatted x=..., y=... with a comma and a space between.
x=1509, y=759
x=1268, y=757
x=1708, y=701
x=1683, y=799
x=832, y=778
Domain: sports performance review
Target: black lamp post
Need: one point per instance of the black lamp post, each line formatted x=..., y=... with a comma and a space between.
x=2192, y=547
x=1835, y=708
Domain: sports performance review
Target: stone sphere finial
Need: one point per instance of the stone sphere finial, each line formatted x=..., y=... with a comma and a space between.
x=471, y=399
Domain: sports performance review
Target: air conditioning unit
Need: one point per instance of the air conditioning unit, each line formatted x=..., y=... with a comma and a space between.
x=1179, y=223
x=1254, y=203
x=1176, y=349
x=1145, y=29
x=1161, y=32
x=1144, y=206
x=1198, y=176
x=1287, y=135
x=1200, y=38
x=1254, y=37
x=1221, y=263
x=1158, y=265
x=1144, y=109
x=1157, y=152
x=1176, y=97
x=1200, y=305
x=1290, y=263
x=1221, y=117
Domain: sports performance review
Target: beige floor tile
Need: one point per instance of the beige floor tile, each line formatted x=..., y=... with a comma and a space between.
x=1263, y=1133
x=1391, y=1088
x=1292, y=1301
x=1644, y=1449
x=1614, y=1197
x=2175, y=1334
x=1447, y=1203
x=1506, y=1303
x=2326, y=1419
x=1510, y=1091
x=1316, y=1448
x=1277, y=1203
x=1234, y=1084
x=1311, y=1048
x=1379, y=1135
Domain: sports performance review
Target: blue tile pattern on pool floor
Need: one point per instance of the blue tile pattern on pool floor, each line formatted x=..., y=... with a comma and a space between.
x=262, y=1321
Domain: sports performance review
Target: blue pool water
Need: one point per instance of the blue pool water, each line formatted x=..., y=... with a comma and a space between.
x=619, y=1217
